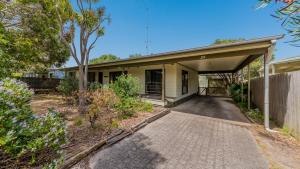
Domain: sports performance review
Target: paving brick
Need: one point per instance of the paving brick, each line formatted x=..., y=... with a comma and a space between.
x=183, y=141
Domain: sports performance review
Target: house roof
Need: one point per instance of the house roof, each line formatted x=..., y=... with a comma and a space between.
x=287, y=65
x=208, y=59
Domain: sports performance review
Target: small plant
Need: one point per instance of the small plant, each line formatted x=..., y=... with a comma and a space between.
x=102, y=103
x=23, y=134
x=68, y=86
x=94, y=86
x=127, y=107
x=78, y=121
x=114, y=123
x=256, y=115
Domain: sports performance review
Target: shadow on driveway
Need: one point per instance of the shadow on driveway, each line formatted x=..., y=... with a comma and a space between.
x=129, y=153
x=215, y=107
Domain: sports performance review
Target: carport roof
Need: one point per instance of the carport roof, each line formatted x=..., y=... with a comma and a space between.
x=209, y=59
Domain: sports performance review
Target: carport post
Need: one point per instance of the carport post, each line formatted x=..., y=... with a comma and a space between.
x=267, y=57
x=249, y=81
x=163, y=84
x=242, y=86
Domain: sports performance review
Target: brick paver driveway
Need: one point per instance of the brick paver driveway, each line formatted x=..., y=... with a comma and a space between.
x=182, y=141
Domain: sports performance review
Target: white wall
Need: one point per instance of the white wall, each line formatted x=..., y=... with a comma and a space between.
x=173, y=79
x=193, y=82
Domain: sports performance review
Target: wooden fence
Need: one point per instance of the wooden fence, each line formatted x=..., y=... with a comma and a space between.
x=41, y=83
x=284, y=98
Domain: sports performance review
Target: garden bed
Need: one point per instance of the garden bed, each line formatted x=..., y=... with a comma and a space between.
x=79, y=132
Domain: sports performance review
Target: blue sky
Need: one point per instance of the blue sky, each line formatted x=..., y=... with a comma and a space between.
x=181, y=24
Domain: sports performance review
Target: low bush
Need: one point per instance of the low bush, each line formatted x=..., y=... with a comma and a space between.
x=68, y=86
x=102, y=103
x=94, y=86
x=126, y=86
x=256, y=115
x=23, y=135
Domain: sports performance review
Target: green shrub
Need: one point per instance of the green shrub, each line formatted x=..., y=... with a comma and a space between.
x=256, y=115
x=94, y=86
x=146, y=106
x=68, y=86
x=127, y=107
x=21, y=132
x=126, y=86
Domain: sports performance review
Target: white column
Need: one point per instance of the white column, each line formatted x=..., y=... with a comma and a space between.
x=266, y=91
x=242, y=86
x=249, y=81
x=163, y=84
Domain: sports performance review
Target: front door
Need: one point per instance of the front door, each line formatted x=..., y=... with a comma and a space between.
x=153, y=82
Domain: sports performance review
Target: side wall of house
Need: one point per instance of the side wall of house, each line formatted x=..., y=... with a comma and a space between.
x=193, y=82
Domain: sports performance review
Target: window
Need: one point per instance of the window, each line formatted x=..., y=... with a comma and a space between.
x=185, y=82
x=114, y=75
x=72, y=74
x=153, y=83
x=100, y=77
x=91, y=77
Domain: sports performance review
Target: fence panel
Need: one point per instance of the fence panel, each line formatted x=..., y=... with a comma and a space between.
x=284, y=98
x=41, y=83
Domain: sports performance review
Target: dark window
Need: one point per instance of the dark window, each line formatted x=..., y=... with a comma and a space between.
x=100, y=77
x=114, y=75
x=185, y=82
x=91, y=77
x=153, y=82
x=72, y=74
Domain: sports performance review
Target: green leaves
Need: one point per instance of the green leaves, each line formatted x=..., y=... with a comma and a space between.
x=29, y=37
x=22, y=133
x=104, y=58
x=289, y=15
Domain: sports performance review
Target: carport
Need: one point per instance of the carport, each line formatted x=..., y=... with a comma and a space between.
x=233, y=57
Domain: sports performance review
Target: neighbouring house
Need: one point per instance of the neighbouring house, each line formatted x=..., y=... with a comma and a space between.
x=56, y=73
x=174, y=76
x=285, y=65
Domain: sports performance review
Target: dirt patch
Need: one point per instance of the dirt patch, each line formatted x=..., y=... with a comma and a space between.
x=80, y=134
x=282, y=151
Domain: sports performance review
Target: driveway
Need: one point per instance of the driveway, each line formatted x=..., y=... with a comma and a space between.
x=182, y=140
x=216, y=107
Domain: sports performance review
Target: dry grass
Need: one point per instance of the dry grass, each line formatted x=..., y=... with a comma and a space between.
x=281, y=150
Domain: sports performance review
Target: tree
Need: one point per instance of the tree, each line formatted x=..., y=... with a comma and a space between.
x=29, y=38
x=289, y=14
x=104, y=58
x=136, y=55
x=228, y=78
x=87, y=20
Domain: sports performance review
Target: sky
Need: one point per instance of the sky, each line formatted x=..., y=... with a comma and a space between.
x=181, y=24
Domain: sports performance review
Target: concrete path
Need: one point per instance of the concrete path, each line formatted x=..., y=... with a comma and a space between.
x=182, y=141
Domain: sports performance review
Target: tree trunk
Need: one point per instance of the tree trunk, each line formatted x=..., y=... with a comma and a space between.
x=81, y=90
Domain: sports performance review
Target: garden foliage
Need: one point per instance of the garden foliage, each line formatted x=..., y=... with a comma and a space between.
x=23, y=134
x=127, y=88
x=102, y=104
x=68, y=86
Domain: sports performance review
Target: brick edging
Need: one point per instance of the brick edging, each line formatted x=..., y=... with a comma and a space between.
x=112, y=139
